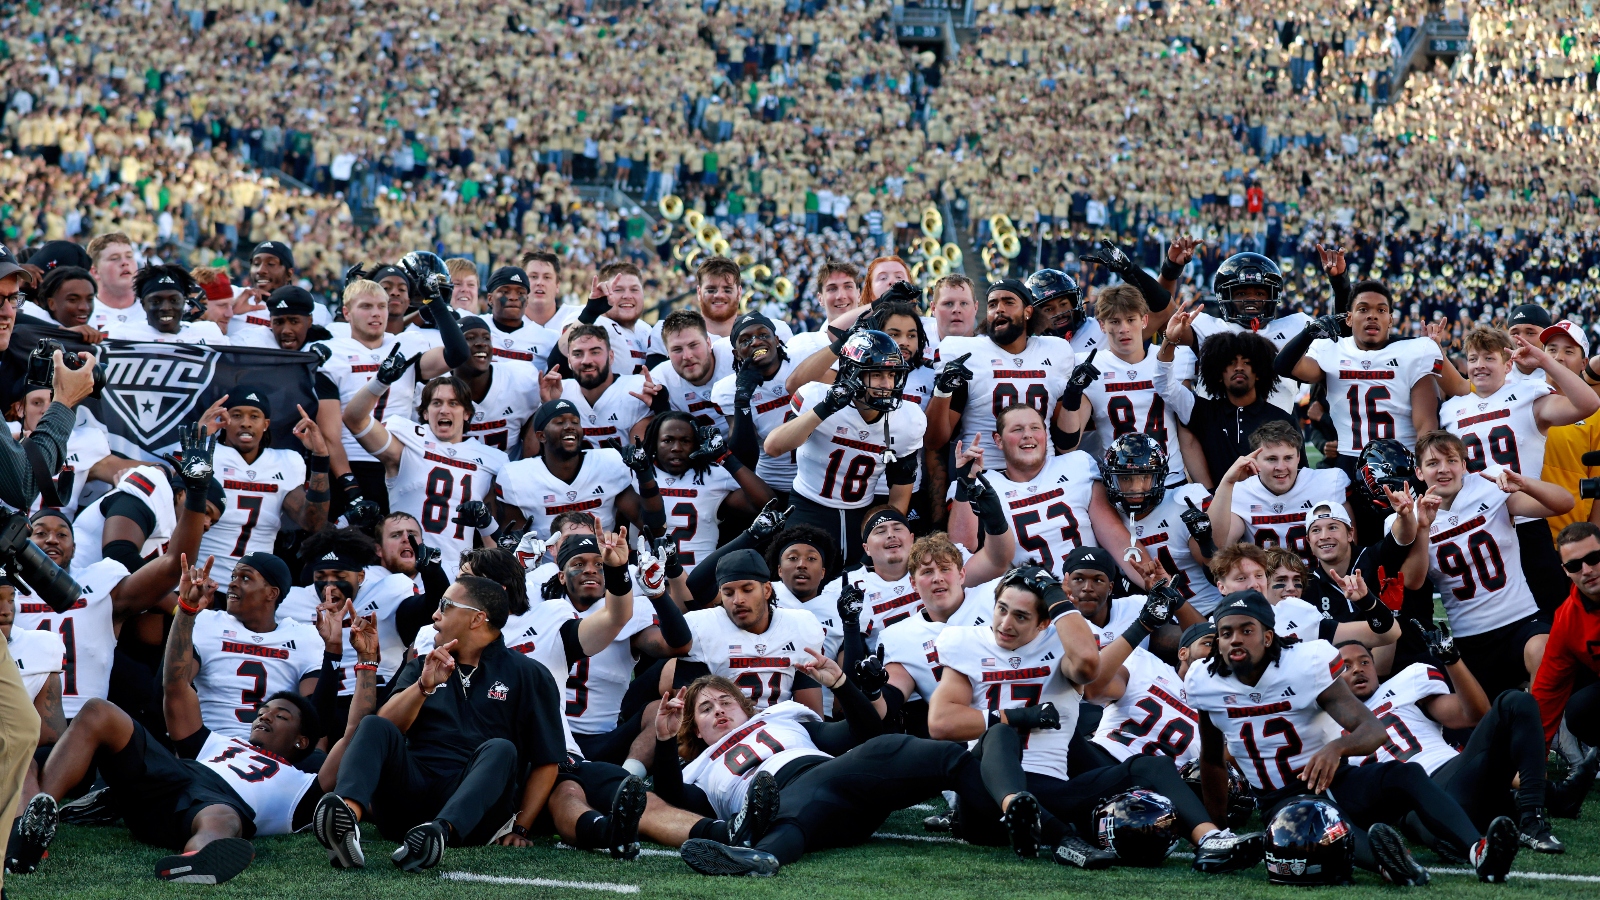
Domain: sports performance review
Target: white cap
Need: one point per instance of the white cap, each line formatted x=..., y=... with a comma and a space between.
x=1328, y=509
x=1569, y=328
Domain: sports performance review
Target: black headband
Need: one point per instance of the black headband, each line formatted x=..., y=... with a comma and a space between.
x=882, y=515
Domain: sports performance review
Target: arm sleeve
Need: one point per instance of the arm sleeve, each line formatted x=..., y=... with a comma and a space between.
x=456, y=351
x=414, y=612
x=326, y=696
x=669, y=786
x=674, y=627
x=594, y=309
x=1292, y=352
x=743, y=440
x=325, y=388
x=703, y=580
x=130, y=507
x=903, y=470
x=1341, y=292
x=1155, y=296
x=861, y=722
x=686, y=671
x=1177, y=395
x=17, y=485
x=571, y=644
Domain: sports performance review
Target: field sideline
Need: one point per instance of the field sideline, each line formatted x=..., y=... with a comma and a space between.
x=102, y=863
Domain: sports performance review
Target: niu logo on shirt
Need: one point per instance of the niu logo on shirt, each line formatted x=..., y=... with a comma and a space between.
x=499, y=691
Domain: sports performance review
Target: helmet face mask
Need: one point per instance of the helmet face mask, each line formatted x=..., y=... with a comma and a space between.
x=866, y=353
x=1051, y=285
x=1384, y=463
x=1135, y=472
x=1248, y=286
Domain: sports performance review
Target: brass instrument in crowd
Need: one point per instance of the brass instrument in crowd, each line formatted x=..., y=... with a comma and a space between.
x=671, y=207
x=932, y=223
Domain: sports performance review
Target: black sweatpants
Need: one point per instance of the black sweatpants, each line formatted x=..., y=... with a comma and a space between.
x=840, y=802
x=476, y=799
x=1509, y=741
x=1583, y=714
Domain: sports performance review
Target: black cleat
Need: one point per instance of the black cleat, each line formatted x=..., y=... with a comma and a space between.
x=712, y=858
x=1564, y=798
x=214, y=863
x=1492, y=856
x=94, y=808
x=1534, y=832
x=1394, y=860
x=336, y=829
x=627, y=808
x=422, y=848
x=939, y=824
x=1075, y=851
x=31, y=835
x=760, y=808
x=1022, y=823
x=1224, y=851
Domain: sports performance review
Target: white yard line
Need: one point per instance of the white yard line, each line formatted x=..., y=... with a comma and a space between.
x=545, y=882
x=643, y=851
x=923, y=807
x=1534, y=876
x=927, y=838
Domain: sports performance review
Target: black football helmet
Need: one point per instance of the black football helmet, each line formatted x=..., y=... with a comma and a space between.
x=429, y=264
x=1384, y=462
x=1241, y=802
x=1054, y=284
x=1139, y=826
x=1243, y=270
x=873, y=351
x=1309, y=844
x=1135, y=454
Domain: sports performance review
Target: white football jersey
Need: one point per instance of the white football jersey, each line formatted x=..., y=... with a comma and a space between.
x=528, y=485
x=377, y=596
x=1036, y=376
x=1089, y=336
x=1123, y=611
x=1274, y=727
x=770, y=740
x=512, y=399
x=269, y=784
x=913, y=642
x=1012, y=679
x=1410, y=735
x=1162, y=532
x=434, y=479
x=825, y=607
x=596, y=684
x=841, y=463
x=255, y=493
x=239, y=668
x=1279, y=520
x=104, y=318
x=1501, y=430
x=630, y=345
x=1123, y=400
x=693, y=504
x=1299, y=619
x=188, y=333
x=1278, y=331
x=148, y=485
x=695, y=399
x=86, y=446
x=350, y=365
x=1369, y=391
x=1151, y=717
x=88, y=638
x=38, y=655
x=1050, y=512
x=763, y=664
x=884, y=603
x=613, y=414
x=770, y=406
x=1475, y=560
x=530, y=343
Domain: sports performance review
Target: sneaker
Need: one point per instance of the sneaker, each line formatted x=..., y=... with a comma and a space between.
x=760, y=808
x=627, y=808
x=422, y=848
x=94, y=808
x=31, y=835
x=940, y=824
x=1534, y=832
x=712, y=858
x=1492, y=856
x=1223, y=851
x=1022, y=823
x=336, y=829
x=1394, y=860
x=1564, y=798
x=1075, y=851
x=214, y=863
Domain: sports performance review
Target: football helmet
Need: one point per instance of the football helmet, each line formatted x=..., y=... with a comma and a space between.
x=1384, y=462
x=1309, y=843
x=868, y=351
x=428, y=264
x=1243, y=270
x=1139, y=826
x=1054, y=284
x=1241, y=802
x=1129, y=456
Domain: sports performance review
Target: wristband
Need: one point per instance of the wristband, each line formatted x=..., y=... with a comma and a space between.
x=994, y=718
x=673, y=569
x=366, y=667
x=731, y=463
x=322, y=496
x=379, y=391
x=191, y=610
x=330, y=656
x=518, y=830
x=1170, y=271
x=318, y=465
x=350, y=486
x=1135, y=633
x=938, y=393
x=1060, y=607
x=1590, y=374
x=617, y=580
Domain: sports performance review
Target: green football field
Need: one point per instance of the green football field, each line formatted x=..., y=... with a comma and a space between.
x=103, y=863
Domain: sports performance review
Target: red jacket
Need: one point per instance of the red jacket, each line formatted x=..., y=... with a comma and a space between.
x=1574, y=642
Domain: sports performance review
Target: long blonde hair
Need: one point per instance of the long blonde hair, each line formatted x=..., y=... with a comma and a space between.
x=690, y=744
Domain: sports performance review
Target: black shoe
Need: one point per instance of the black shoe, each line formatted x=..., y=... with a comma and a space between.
x=1394, y=860
x=1492, y=856
x=712, y=858
x=939, y=824
x=1564, y=798
x=1224, y=851
x=1022, y=823
x=1534, y=832
x=627, y=808
x=422, y=848
x=31, y=835
x=214, y=863
x=94, y=808
x=336, y=829
x=760, y=808
x=1075, y=851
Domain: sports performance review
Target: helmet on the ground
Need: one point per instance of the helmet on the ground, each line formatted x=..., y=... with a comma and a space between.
x=1384, y=462
x=1247, y=270
x=1054, y=284
x=1241, y=802
x=1134, y=455
x=1309, y=843
x=868, y=351
x=1139, y=826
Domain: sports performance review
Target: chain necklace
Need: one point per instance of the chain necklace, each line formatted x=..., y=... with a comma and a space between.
x=466, y=677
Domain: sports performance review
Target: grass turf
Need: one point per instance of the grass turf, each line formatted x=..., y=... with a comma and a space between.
x=94, y=863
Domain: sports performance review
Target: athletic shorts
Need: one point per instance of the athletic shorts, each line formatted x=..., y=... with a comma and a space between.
x=159, y=794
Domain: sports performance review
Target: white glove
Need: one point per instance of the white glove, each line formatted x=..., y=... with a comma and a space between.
x=530, y=550
x=652, y=571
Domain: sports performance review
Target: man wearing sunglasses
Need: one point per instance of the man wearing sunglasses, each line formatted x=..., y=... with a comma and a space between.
x=1566, y=685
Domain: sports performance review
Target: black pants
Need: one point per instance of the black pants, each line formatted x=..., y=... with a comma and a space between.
x=1583, y=714
x=845, y=524
x=1495, y=656
x=1509, y=741
x=1541, y=565
x=840, y=802
x=476, y=799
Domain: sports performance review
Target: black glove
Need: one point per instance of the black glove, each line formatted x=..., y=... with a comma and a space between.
x=1199, y=524
x=1326, y=327
x=665, y=548
x=634, y=457
x=986, y=505
x=713, y=446
x=363, y=514
x=1159, y=604
x=1440, y=643
x=394, y=366
x=900, y=292
x=1044, y=717
x=840, y=395
x=1112, y=257
x=473, y=514
x=323, y=351
x=510, y=538
x=425, y=554
x=953, y=376
x=745, y=384
x=354, y=274
x=870, y=675
x=768, y=521
x=431, y=288
x=1083, y=375
x=194, y=466
x=350, y=486
x=851, y=600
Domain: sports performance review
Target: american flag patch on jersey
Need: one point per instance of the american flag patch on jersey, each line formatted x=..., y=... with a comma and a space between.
x=735, y=648
x=928, y=645
x=989, y=661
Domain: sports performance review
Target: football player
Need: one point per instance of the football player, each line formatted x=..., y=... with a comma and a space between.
x=567, y=475
x=754, y=400
x=1145, y=712
x=502, y=391
x=1249, y=288
x=516, y=338
x=802, y=556
x=616, y=301
x=1170, y=523
x=694, y=366
x=1331, y=537
x=1264, y=497
x=164, y=292
x=697, y=477
x=1246, y=567
x=612, y=406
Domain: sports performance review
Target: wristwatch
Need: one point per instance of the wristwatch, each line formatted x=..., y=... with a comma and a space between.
x=519, y=831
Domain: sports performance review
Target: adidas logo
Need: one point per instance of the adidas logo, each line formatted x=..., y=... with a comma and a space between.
x=289, y=645
x=600, y=490
x=1061, y=480
x=370, y=607
x=787, y=648
x=330, y=555
x=277, y=476
x=508, y=412
x=1046, y=362
x=1392, y=362
x=1048, y=656
x=1236, y=603
x=1306, y=505
x=613, y=417
x=1483, y=507
x=1511, y=398
x=516, y=279
x=1163, y=524
x=978, y=621
x=1287, y=692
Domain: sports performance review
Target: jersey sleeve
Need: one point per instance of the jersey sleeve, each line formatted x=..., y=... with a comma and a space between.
x=1423, y=358
x=958, y=651
x=409, y=434
x=722, y=394
x=1323, y=352
x=701, y=628
x=613, y=470
x=1321, y=668
x=1422, y=680
x=294, y=470
x=808, y=395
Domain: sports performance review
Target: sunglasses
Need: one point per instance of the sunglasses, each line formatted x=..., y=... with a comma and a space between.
x=445, y=604
x=1576, y=565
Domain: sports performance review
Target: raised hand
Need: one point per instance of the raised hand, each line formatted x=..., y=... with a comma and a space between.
x=363, y=514
x=769, y=520
x=1243, y=467
x=1084, y=373
x=1159, y=605
x=364, y=637
x=713, y=447
x=194, y=465
x=969, y=458
x=437, y=667
x=1180, y=328
x=354, y=274
x=1428, y=507
x=215, y=416
x=954, y=376
x=745, y=384
x=1353, y=585
x=1327, y=327
x=870, y=674
x=394, y=366
x=822, y=670
x=1440, y=643
x=647, y=393
x=530, y=549
x=330, y=624
x=851, y=600
x=195, y=585
x=840, y=394
x=309, y=434
x=550, y=385
x=1112, y=257
x=669, y=714
x=634, y=456
x=509, y=538
x=1509, y=482
x=1332, y=260
x=1402, y=502
x=424, y=553
x=1531, y=355
x=652, y=570
x=614, y=547
x=1195, y=519
x=1183, y=249
x=473, y=514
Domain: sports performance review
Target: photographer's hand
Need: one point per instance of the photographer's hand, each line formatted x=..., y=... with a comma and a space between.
x=73, y=385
